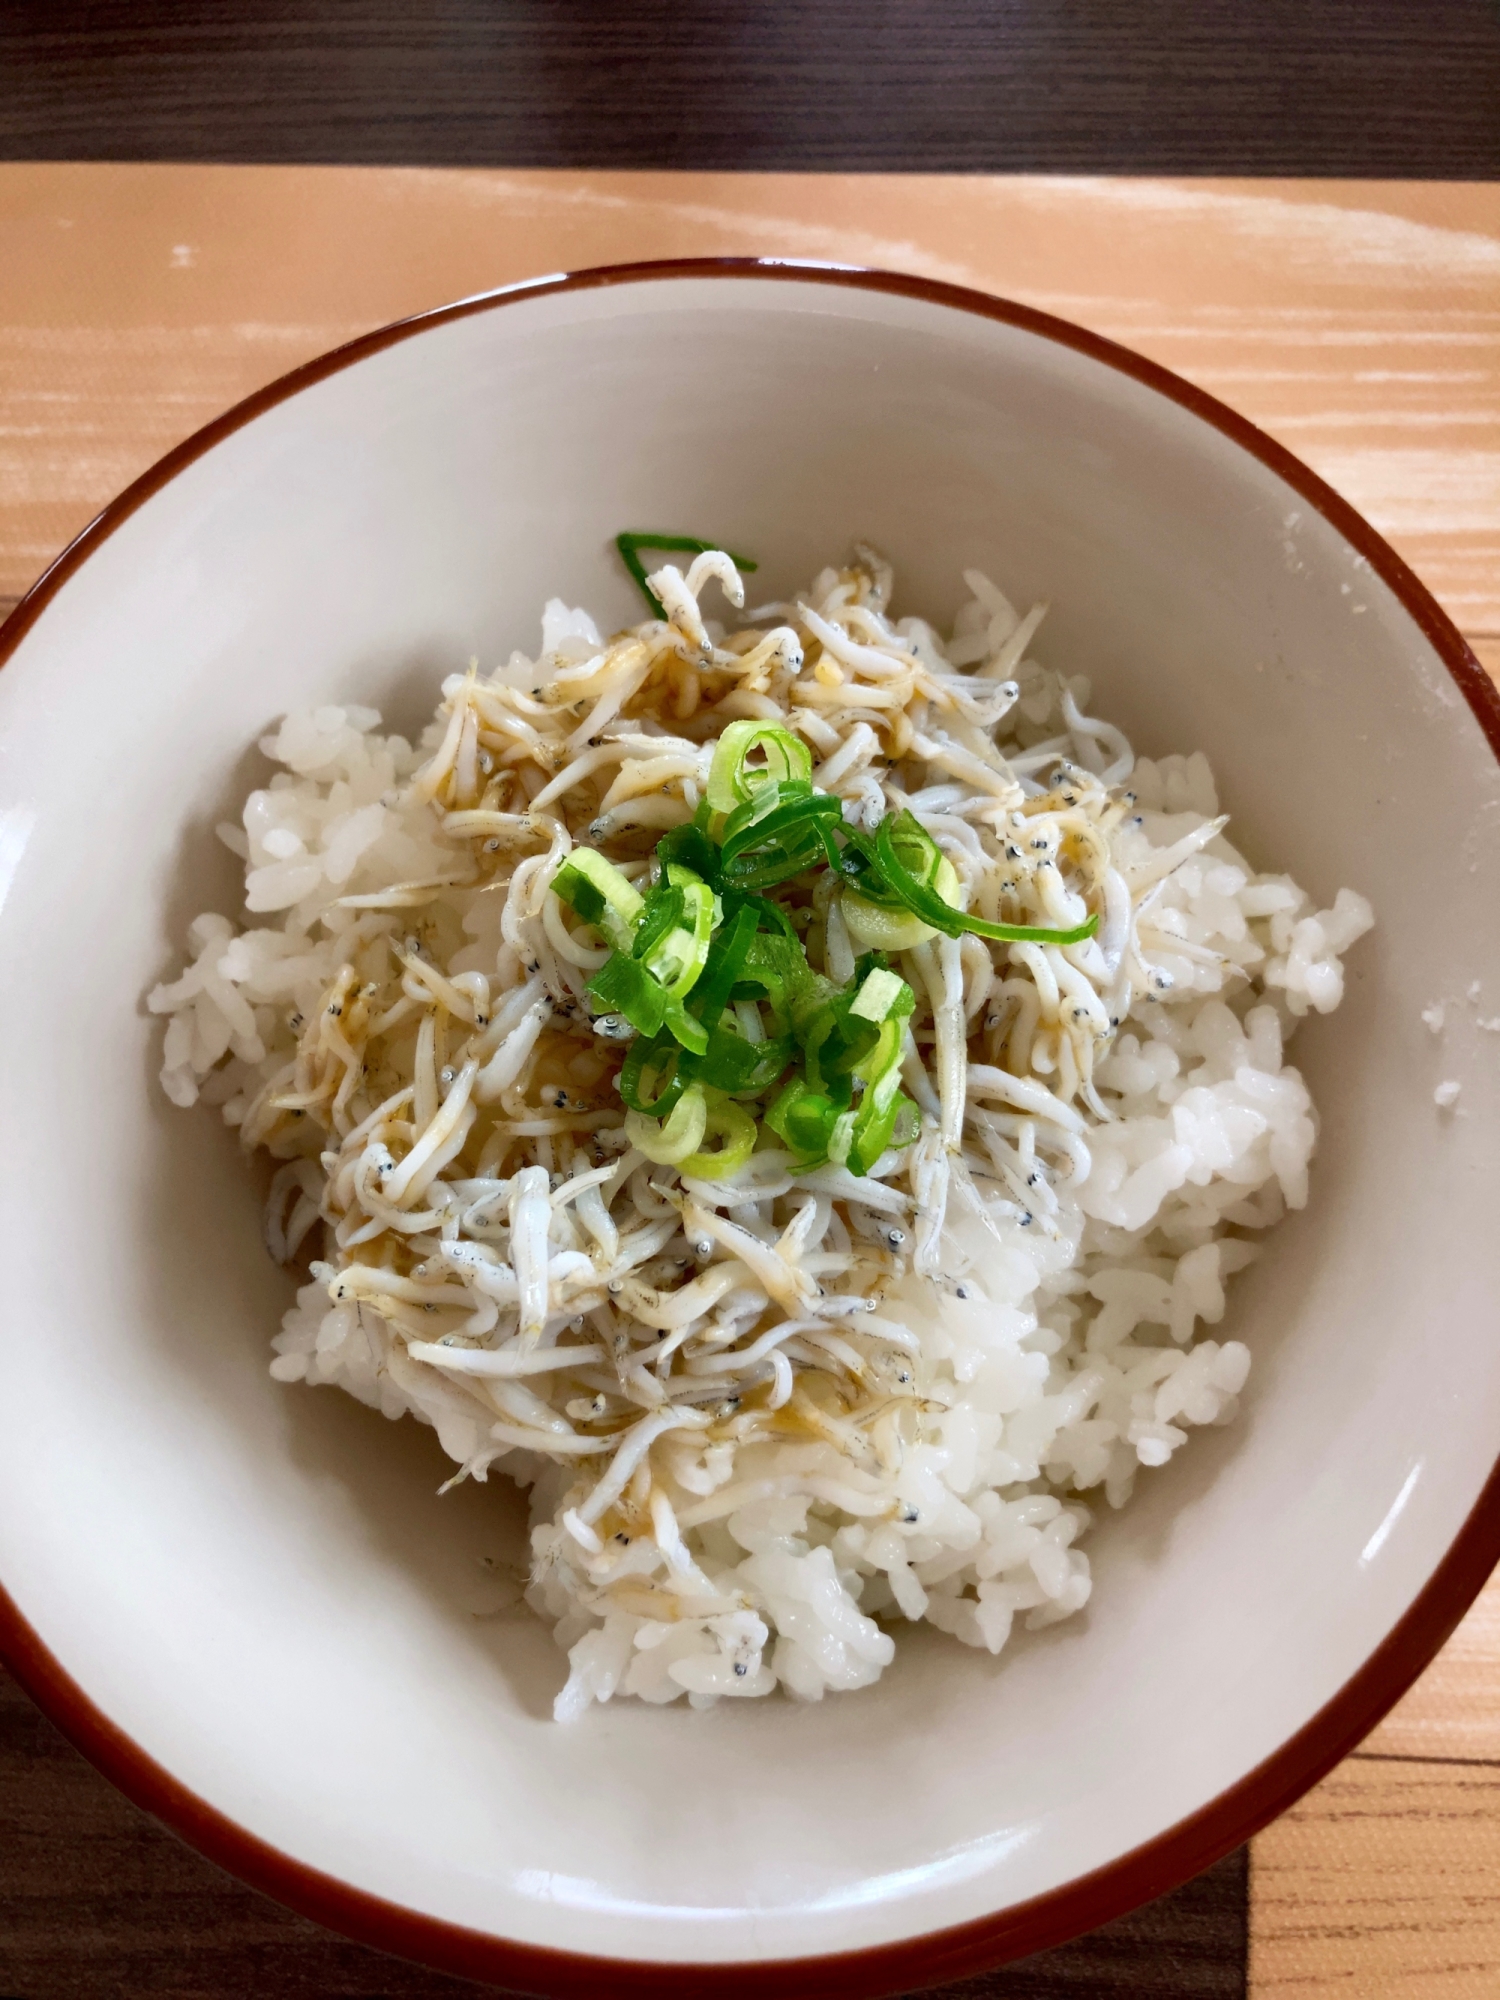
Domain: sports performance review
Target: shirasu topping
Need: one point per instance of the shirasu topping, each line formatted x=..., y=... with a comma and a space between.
x=736, y=981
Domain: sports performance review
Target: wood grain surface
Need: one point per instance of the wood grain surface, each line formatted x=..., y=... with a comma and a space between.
x=98, y=1902
x=1360, y=323
x=1285, y=86
x=1384, y=1881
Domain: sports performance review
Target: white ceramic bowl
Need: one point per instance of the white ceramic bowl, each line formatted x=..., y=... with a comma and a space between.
x=247, y=1603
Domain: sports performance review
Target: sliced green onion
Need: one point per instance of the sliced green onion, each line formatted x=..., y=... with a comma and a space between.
x=875, y=1124
x=600, y=894
x=843, y=1035
x=704, y=911
x=735, y=1129
x=630, y=544
x=622, y=985
x=773, y=915
x=764, y=799
x=677, y=1136
x=877, y=915
x=727, y=952
x=881, y=992
x=879, y=928
x=655, y=1074
x=658, y=1068
x=792, y=840
x=879, y=1108
x=703, y=937
x=804, y=1118
x=841, y=1138
x=778, y=966
x=763, y=871
x=887, y=1053
x=677, y=875
x=731, y=777
x=647, y=982
x=741, y=1068
x=669, y=952
x=901, y=830
x=692, y=1034
x=691, y=847
x=833, y=1041
x=662, y=912
x=819, y=1125
x=859, y=864
x=783, y=814
x=682, y=954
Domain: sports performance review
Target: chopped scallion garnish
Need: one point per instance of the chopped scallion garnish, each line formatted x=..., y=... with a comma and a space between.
x=736, y=1133
x=601, y=895
x=703, y=941
x=733, y=779
x=879, y=994
x=898, y=839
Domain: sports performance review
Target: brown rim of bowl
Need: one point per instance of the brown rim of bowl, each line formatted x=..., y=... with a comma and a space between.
x=1150, y=1870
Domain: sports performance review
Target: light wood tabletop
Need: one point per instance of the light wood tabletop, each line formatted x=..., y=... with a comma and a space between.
x=1359, y=323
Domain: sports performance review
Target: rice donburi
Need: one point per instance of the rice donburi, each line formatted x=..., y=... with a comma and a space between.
x=792, y=1093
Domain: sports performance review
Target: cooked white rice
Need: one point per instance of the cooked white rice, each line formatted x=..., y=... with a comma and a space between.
x=763, y=1420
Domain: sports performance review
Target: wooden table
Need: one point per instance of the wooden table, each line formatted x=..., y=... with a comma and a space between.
x=1357, y=322
x=963, y=86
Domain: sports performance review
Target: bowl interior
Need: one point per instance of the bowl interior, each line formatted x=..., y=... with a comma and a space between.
x=259, y=1584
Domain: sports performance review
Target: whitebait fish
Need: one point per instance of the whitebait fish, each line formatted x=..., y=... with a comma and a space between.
x=792, y=1092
